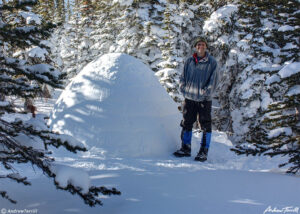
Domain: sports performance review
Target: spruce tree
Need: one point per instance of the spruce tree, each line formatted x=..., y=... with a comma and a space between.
x=25, y=68
x=275, y=128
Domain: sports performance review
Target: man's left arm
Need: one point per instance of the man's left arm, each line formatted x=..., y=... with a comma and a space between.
x=213, y=80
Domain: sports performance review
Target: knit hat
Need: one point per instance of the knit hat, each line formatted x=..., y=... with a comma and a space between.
x=200, y=39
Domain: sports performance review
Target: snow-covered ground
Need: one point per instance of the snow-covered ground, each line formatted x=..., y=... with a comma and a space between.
x=149, y=183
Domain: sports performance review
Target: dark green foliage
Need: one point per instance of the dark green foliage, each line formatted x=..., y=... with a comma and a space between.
x=22, y=76
x=281, y=113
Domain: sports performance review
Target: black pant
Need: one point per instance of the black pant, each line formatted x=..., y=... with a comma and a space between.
x=190, y=111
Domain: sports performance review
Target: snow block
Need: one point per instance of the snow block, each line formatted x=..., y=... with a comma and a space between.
x=117, y=104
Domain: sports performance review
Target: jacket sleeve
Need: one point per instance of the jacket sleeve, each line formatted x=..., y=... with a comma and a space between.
x=182, y=78
x=213, y=81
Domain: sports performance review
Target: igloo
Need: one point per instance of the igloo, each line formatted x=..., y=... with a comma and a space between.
x=116, y=103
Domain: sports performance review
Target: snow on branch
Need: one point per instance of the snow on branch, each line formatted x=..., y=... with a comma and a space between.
x=26, y=67
x=18, y=4
x=17, y=149
x=19, y=75
x=77, y=181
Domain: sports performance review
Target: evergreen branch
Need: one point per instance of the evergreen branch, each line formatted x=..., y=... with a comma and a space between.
x=90, y=198
x=18, y=178
x=14, y=69
x=17, y=88
x=48, y=137
x=7, y=108
x=23, y=154
x=13, y=5
x=241, y=150
x=26, y=37
x=290, y=152
x=5, y=196
x=294, y=161
x=23, y=78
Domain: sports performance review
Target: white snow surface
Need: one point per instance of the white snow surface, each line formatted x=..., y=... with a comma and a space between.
x=272, y=79
x=37, y=52
x=289, y=70
x=4, y=103
x=276, y=132
x=69, y=175
x=31, y=17
x=266, y=99
x=123, y=2
x=222, y=13
x=294, y=90
x=286, y=28
x=156, y=181
x=124, y=98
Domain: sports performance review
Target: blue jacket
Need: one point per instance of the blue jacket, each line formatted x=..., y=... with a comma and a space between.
x=199, y=78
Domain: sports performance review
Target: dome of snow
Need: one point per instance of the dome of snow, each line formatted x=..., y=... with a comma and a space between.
x=117, y=104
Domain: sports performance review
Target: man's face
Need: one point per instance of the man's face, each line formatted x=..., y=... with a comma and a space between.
x=201, y=48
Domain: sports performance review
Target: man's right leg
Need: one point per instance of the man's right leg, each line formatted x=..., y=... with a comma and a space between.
x=205, y=121
x=189, y=117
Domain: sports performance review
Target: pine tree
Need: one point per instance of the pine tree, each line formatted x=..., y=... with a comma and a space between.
x=275, y=128
x=25, y=68
x=278, y=132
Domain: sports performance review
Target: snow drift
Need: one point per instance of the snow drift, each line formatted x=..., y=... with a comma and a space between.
x=112, y=103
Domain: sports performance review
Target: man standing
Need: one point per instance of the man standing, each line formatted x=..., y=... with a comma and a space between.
x=197, y=84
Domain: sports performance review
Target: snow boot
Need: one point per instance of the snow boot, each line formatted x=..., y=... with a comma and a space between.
x=184, y=151
x=186, y=139
x=202, y=154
